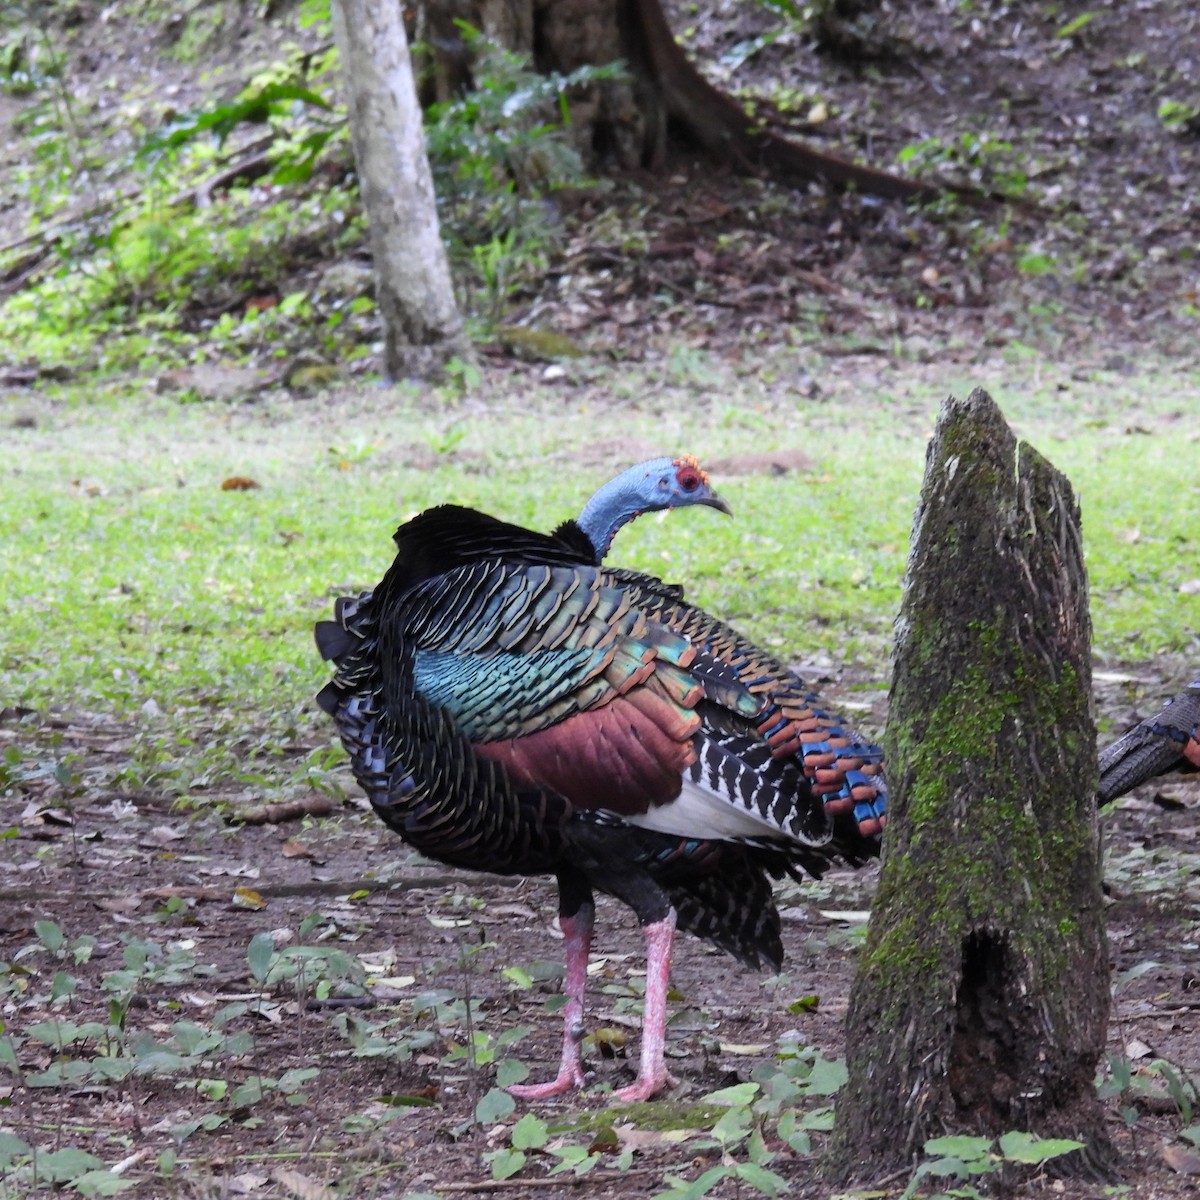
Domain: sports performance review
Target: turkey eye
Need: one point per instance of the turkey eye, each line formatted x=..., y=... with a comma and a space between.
x=689, y=480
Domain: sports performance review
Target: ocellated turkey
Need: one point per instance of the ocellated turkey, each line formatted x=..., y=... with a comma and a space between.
x=1166, y=741
x=511, y=705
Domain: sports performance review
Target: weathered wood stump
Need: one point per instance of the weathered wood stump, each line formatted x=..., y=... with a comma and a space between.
x=981, y=1004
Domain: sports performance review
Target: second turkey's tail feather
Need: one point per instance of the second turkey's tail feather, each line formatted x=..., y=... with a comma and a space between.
x=1168, y=740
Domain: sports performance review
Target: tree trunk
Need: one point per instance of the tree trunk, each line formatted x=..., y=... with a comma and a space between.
x=664, y=100
x=981, y=1004
x=412, y=277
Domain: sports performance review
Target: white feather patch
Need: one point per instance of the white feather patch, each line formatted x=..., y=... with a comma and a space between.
x=700, y=813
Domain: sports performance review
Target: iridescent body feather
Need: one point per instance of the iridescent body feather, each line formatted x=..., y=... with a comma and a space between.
x=510, y=705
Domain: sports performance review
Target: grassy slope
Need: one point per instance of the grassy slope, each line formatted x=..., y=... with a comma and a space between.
x=136, y=587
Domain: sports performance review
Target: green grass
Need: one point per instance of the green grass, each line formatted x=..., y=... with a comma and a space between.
x=137, y=590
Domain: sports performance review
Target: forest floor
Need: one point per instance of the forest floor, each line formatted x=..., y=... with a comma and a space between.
x=395, y=1115
x=1095, y=268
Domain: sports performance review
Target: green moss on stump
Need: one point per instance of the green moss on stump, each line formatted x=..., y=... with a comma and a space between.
x=981, y=1002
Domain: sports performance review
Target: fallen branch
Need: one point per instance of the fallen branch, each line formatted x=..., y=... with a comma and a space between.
x=498, y=1185
x=277, y=814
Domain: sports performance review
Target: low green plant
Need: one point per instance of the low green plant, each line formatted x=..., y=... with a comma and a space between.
x=159, y=267
x=480, y=1048
x=431, y=1018
x=790, y=17
x=462, y=378
x=497, y=154
x=1156, y=1079
x=531, y=1136
x=443, y=441
x=500, y=264
x=63, y=160
x=987, y=161
x=1034, y=262
x=53, y=940
x=529, y=1133
x=28, y=61
x=303, y=123
x=149, y=964
x=323, y=969
x=1076, y=25
x=106, y=1052
x=393, y=1038
x=140, y=266
x=962, y=1158
x=789, y=10
x=1179, y=117
x=36, y=1168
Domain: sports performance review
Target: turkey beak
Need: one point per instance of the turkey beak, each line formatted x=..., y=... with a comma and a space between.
x=719, y=503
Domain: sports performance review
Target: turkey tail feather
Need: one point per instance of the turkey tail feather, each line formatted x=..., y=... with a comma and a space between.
x=1168, y=740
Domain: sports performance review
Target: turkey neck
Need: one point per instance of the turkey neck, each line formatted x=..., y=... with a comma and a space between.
x=614, y=505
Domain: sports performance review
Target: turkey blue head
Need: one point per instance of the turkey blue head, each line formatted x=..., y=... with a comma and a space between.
x=649, y=486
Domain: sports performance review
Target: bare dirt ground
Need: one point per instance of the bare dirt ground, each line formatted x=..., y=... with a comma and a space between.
x=1095, y=256
x=725, y=263
x=111, y=865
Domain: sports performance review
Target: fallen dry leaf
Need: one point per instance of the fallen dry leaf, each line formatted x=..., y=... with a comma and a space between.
x=632, y=1138
x=245, y=897
x=852, y=915
x=607, y=1035
x=1181, y=1159
x=301, y=1187
x=247, y=1183
x=163, y=834
x=1170, y=803
x=49, y=822
x=388, y=984
x=512, y=910
x=238, y=871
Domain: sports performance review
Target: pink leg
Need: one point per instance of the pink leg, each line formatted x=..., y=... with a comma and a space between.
x=652, y=1075
x=578, y=932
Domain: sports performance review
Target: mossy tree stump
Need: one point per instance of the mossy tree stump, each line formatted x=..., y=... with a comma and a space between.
x=981, y=1004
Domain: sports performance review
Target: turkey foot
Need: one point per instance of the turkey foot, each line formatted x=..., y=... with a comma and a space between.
x=646, y=1088
x=578, y=933
x=570, y=1076
x=652, y=1074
